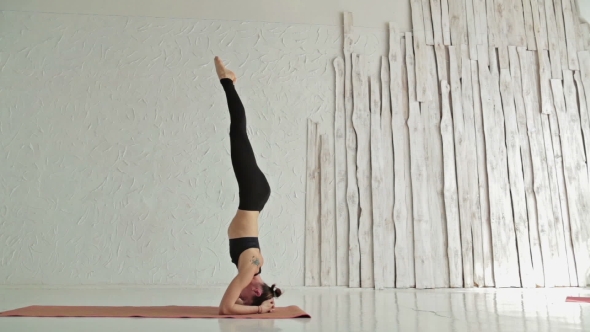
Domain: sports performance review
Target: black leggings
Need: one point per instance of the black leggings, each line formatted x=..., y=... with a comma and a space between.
x=253, y=186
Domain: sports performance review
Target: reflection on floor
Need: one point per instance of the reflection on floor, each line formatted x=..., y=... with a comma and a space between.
x=335, y=309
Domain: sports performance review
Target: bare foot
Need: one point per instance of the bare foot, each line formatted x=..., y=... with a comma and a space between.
x=223, y=72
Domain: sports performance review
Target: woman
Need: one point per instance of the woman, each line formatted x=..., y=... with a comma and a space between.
x=247, y=293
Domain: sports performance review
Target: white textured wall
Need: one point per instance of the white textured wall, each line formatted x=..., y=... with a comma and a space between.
x=114, y=156
x=368, y=13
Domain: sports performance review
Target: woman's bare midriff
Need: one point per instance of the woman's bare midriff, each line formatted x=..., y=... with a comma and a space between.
x=244, y=224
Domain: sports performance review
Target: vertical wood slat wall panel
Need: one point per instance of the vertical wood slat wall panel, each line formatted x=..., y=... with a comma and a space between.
x=312, y=208
x=419, y=178
x=342, y=220
x=451, y=199
x=434, y=163
x=327, y=217
x=402, y=210
x=472, y=179
x=484, y=199
x=499, y=197
x=462, y=166
x=377, y=190
x=352, y=197
x=527, y=167
x=537, y=208
x=540, y=176
x=361, y=120
x=388, y=178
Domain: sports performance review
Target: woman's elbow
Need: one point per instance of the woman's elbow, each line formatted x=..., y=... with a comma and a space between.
x=224, y=310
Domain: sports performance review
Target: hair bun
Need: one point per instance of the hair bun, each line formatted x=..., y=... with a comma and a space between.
x=276, y=291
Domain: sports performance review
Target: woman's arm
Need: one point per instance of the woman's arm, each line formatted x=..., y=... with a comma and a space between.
x=229, y=303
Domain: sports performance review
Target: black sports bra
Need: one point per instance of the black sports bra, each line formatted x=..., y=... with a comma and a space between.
x=239, y=245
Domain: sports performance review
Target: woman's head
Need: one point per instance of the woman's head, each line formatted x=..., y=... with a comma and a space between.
x=267, y=293
x=258, y=291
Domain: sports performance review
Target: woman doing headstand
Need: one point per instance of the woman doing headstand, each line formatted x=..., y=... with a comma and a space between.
x=247, y=293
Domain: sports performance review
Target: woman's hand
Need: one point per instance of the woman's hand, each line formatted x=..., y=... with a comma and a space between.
x=268, y=306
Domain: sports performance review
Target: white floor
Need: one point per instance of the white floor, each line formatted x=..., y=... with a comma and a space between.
x=331, y=310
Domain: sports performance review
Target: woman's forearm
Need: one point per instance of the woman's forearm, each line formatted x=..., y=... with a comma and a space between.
x=239, y=309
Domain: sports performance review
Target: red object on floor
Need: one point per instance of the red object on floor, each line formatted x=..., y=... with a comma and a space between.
x=148, y=312
x=578, y=299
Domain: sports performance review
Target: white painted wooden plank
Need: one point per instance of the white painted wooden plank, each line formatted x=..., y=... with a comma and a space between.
x=577, y=149
x=441, y=52
x=388, y=179
x=562, y=197
x=361, y=120
x=493, y=24
x=402, y=210
x=576, y=198
x=553, y=39
x=561, y=33
x=540, y=34
x=427, y=17
x=471, y=29
x=352, y=199
x=446, y=25
x=419, y=178
x=509, y=260
x=518, y=80
x=578, y=19
x=421, y=73
x=508, y=277
x=342, y=220
x=472, y=172
x=462, y=167
x=434, y=166
x=312, y=208
x=422, y=248
x=583, y=86
x=556, y=238
x=458, y=29
x=451, y=199
x=458, y=22
x=484, y=200
x=327, y=221
x=529, y=25
x=436, y=22
x=481, y=21
x=423, y=93
x=507, y=32
x=539, y=231
x=377, y=189
x=543, y=21
x=510, y=272
x=545, y=77
x=584, y=116
x=570, y=35
x=516, y=181
x=559, y=199
x=518, y=19
x=503, y=240
x=572, y=105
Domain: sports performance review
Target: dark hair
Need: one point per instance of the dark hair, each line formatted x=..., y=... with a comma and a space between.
x=267, y=294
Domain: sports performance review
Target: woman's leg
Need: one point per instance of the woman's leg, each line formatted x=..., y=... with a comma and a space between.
x=253, y=186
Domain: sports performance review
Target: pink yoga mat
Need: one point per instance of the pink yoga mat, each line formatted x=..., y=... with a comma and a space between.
x=578, y=299
x=146, y=312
